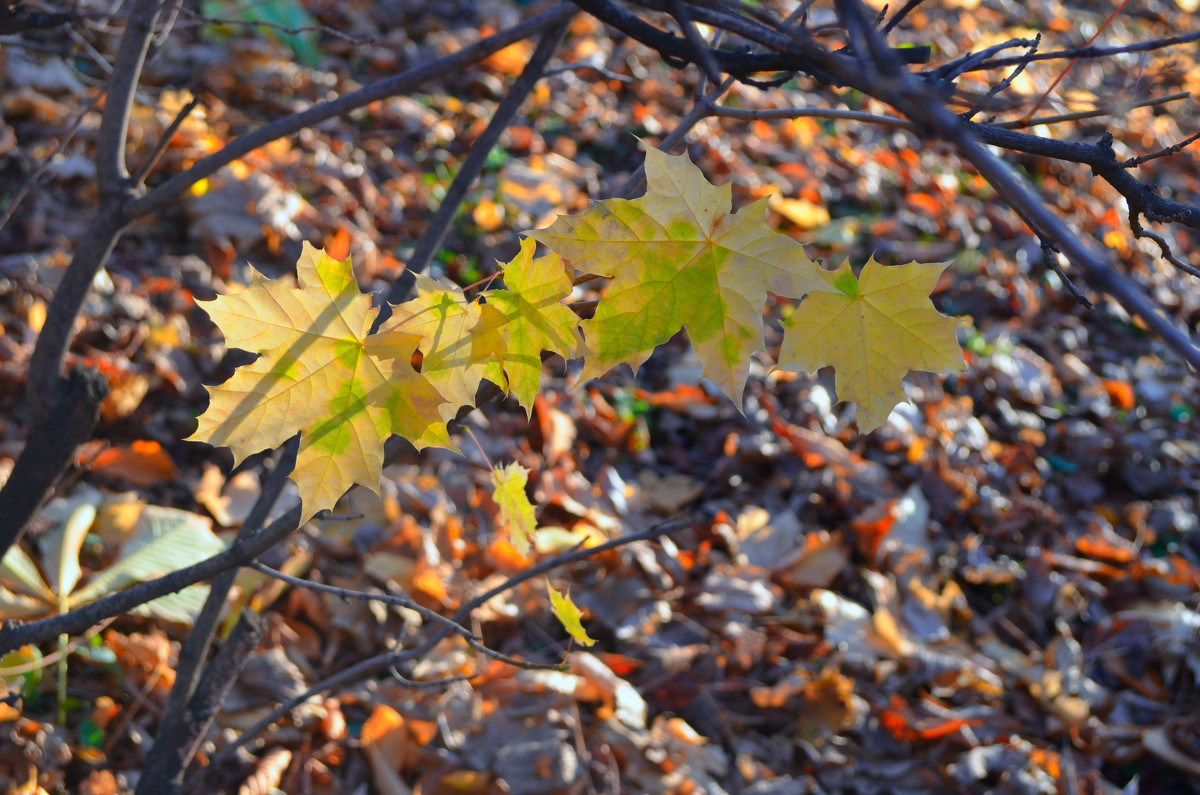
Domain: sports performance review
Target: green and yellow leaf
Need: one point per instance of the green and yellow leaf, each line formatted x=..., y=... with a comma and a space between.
x=443, y=318
x=680, y=259
x=319, y=374
x=516, y=512
x=532, y=318
x=873, y=329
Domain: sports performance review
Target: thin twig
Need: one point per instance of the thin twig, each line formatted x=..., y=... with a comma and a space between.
x=28, y=184
x=1004, y=84
x=751, y=114
x=408, y=80
x=1073, y=61
x=1093, y=52
x=899, y=16
x=1017, y=124
x=381, y=662
x=164, y=141
x=636, y=182
x=473, y=164
x=394, y=599
x=55, y=656
x=1134, y=162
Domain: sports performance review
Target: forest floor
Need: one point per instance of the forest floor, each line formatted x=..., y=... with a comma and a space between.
x=996, y=592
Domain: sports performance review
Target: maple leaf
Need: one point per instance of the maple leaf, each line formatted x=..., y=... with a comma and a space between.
x=873, y=329
x=453, y=360
x=531, y=318
x=568, y=615
x=319, y=374
x=516, y=512
x=680, y=259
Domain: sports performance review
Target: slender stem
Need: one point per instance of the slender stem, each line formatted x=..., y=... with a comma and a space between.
x=1046, y=94
x=503, y=116
x=72, y=128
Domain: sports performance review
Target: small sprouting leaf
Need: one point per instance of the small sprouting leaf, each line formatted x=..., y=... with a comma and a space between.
x=320, y=374
x=680, y=259
x=873, y=330
x=568, y=615
x=516, y=512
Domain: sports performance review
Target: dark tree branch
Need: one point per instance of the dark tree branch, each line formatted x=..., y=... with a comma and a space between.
x=176, y=731
x=66, y=409
x=402, y=83
x=382, y=662
x=122, y=85
x=908, y=95
x=216, y=682
x=52, y=442
x=14, y=634
x=880, y=71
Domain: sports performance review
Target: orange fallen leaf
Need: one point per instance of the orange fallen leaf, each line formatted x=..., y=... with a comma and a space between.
x=1121, y=394
x=143, y=463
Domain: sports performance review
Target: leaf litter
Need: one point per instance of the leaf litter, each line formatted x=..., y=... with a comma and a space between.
x=995, y=592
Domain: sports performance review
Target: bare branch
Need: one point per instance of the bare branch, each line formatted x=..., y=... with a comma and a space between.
x=505, y=111
x=904, y=92
x=122, y=85
x=382, y=662
x=407, y=80
x=15, y=634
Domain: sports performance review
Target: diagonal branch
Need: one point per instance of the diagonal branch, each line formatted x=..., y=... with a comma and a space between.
x=891, y=83
x=406, y=81
x=505, y=111
x=13, y=634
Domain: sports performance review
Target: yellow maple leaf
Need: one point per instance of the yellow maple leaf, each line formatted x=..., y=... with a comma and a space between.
x=319, y=374
x=516, y=512
x=568, y=615
x=873, y=329
x=680, y=259
x=531, y=318
x=452, y=361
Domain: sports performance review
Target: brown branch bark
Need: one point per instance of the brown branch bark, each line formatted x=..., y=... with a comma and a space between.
x=14, y=634
x=505, y=111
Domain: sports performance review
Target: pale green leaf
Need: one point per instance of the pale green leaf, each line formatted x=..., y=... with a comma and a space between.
x=680, y=259
x=516, y=512
x=873, y=330
x=164, y=540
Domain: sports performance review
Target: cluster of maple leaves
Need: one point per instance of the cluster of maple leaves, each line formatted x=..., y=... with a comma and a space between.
x=677, y=257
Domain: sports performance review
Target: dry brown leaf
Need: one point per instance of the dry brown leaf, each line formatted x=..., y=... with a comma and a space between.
x=268, y=773
x=389, y=749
